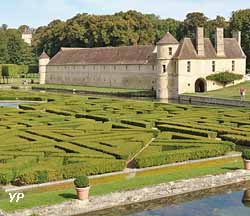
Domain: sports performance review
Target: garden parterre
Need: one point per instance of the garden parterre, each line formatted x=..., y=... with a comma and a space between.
x=69, y=135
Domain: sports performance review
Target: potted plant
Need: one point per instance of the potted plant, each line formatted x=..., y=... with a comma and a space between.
x=246, y=158
x=82, y=187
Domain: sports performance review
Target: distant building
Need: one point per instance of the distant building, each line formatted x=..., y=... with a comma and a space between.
x=27, y=36
x=171, y=67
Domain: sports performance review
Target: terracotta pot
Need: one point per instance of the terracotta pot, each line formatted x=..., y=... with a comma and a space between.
x=83, y=193
x=247, y=164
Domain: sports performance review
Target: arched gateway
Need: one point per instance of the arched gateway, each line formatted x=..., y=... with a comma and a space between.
x=200, y=85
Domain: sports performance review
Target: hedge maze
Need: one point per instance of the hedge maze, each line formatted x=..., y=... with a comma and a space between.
x=69, y=135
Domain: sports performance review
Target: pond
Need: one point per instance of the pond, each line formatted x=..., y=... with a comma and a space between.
x=13, y=103
x=233, y=200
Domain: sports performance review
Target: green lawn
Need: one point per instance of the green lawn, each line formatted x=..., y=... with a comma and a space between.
x=50, y=198
x=90, y=88
x=231, y=92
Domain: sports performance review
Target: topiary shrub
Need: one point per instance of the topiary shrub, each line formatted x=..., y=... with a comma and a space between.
x=81, y=181
x=246, y=154
x=224, y=77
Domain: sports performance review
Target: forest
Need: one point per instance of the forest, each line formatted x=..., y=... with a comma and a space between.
x=119, y=29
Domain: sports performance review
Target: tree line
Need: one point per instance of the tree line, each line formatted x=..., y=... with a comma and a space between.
x=13, y=50
x=123, y=28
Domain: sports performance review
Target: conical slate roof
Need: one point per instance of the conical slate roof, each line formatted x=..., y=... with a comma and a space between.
x=44, y=56
x=168, y=39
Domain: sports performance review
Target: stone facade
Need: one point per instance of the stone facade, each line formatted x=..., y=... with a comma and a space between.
x=27, y=36
x=171, y=67
x=115, y=76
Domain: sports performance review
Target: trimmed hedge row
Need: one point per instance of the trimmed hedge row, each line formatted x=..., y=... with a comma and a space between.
x=95, y=117
x=137, y=123
x=239, y=140
x=202, y=133
x=180, y=155
x=45, y=173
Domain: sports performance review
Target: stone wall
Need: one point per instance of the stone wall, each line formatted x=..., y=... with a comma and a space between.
x=217, y=101
x=118, y=76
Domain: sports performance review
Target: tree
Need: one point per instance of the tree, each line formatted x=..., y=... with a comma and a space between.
x=4, y=56
x=192, y=21
x=4, y=26
x=18, y=51
x=23, y=28
x=240, y=21
x=220, y=22
x=49, y=38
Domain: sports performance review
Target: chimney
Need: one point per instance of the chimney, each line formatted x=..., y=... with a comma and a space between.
x=237, y=36
x=200, y=41
x=219, y=42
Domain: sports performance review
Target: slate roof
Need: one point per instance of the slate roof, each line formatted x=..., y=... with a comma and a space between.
x=43, y=55
x=126, y=55
x=187, y=50
x=168, y=39
x=105, y=55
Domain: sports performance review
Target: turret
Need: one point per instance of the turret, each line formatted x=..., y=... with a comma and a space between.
x=166, y=49
x=43, y=62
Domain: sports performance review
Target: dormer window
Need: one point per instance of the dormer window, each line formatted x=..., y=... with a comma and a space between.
x=170, y=51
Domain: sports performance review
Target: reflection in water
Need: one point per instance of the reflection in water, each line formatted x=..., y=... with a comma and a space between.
x=221, y=205
x=246, y=199
x=233, y=200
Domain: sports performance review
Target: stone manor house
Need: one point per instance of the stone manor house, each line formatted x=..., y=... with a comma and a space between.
x=171, y=67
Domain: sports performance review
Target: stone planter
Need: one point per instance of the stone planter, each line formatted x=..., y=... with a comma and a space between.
x=83, y=193
x=247, y=164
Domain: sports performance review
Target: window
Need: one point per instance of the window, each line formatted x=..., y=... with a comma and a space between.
x=139, y=67
x=104, y=67
x=153, y=67
x=188, y=66
x=170, y=51
x=126, y=67
x=213, y=66
x=164, y=69
x=114, y=67
x=233, y=66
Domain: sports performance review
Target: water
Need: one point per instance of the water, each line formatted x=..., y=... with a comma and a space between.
x=221, y=205
x=12, y=104
x=232, y=200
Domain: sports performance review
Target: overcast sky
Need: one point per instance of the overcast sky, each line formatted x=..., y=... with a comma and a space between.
x=40, y=12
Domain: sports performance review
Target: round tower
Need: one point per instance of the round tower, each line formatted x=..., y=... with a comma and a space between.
x=43, y=62
x=166, y=49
